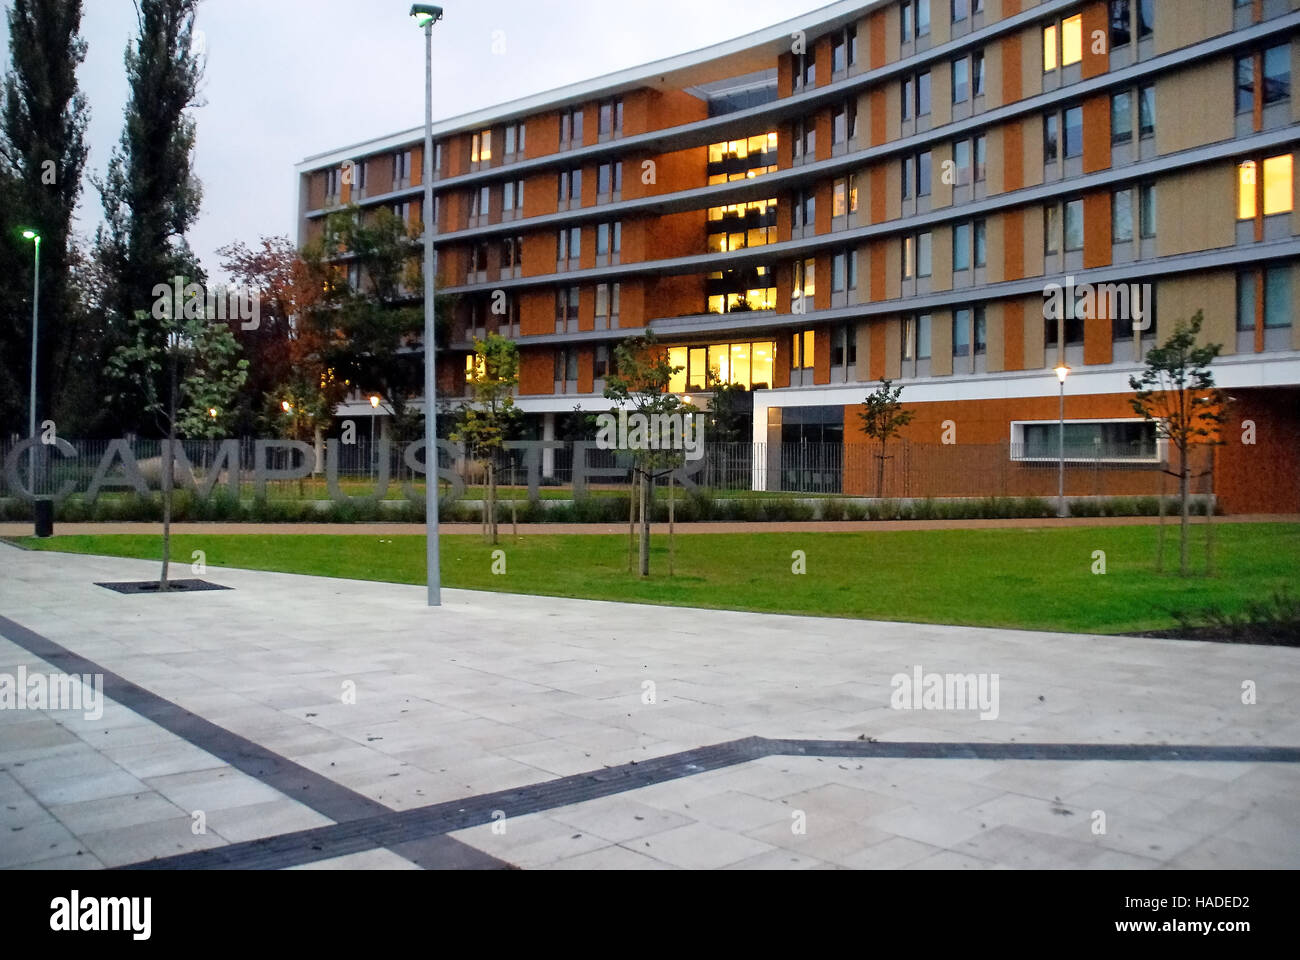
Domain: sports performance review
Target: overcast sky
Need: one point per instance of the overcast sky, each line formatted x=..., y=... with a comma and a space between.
x=287, y=79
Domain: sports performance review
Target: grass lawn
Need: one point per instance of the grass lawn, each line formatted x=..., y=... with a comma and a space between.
x=1034, y=579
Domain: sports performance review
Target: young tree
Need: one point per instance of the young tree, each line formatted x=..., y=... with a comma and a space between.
x=199, y=361
x=641, y=380
x=1176, y=392
x=150, y=194
x=882, y=418
x=485, y=423
x=43, y=117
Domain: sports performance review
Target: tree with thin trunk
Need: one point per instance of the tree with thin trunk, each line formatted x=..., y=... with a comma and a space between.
x=199, y=362
x=1176, y=392
x=882, y=417
x=640, y=381
x=488, y=420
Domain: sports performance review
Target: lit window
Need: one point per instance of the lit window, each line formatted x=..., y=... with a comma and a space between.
x=1049, y=48
x=1246, y=179
x=1072, y=40
x=1278, y=185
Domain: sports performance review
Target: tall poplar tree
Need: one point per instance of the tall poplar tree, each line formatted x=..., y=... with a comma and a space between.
x=150, y=194
x=43, y=117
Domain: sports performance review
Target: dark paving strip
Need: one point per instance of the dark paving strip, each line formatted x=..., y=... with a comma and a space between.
x=395, y=829
x=1036, y=751
x=309, y=788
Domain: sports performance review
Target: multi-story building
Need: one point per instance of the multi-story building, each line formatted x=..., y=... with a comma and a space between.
x=889, y=190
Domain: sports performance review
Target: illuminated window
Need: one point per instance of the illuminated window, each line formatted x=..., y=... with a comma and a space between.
x=1072, y=40
x=481, y=148
x=1049, y=48
x=1278, y=185
x=839, y=199
x=1246, y=180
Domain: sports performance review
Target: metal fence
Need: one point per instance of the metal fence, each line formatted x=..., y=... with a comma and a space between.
x=904, y=469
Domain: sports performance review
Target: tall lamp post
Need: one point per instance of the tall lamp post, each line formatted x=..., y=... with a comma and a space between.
x=1062, y=373
x=374, y=406
x=31, y=410
x=426, y=15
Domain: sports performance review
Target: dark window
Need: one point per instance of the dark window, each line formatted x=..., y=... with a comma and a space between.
x=960, y=10
x=1121, y=117
x=1147, y=111
x=1277, y=73
x=1051, y=138
x=1121, y=30
x=1146, y=18
x=1246, y=84
x=960, y=80
x=1074, y=132
x=1246, y=301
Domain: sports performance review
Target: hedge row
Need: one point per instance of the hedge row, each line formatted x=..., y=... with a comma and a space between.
x=690, y=507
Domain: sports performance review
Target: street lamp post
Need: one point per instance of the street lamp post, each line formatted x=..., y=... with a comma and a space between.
x=31, y=410
x=1062, y=372
x=374, y=406
x=426, y=15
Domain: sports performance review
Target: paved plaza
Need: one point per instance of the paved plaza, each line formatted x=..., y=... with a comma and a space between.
x=303, y=723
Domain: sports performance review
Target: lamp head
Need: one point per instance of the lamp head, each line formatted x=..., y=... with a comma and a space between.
x=286, y=406
x=426, y=13
x=31, y=235
x=374, y=402
x=1062, y=372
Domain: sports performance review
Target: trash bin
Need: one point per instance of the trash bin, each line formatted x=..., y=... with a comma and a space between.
x=44, y=508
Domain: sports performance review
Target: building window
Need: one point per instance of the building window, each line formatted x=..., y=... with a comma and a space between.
x=844, y=49
x=805, y=210
x=1146, y=18
x=609, y=179
x=1147, y=210
x=1246, y=301
x=961, y=333
x=1277, y=74
x=571, y=186
x=1278, y=187
x=1121, y=216
x=611, y=118
x=805, y=140
x=805, y=70
x=609, y=239
x=961, y=80
x=514, y=139
x=1121, y=31
x=1086, y=440
x=1070, y=32
x=607, y=297
x=1121, y=117
x=1246, y=84
x=981, y=158
x=805, y=282
x=569, y=244
x=401, y=169
x=961, y=158
x=571, y=128
x=1074, y=132
x=1277, y=298
x=1073, y=225
x=512, y=195
x=917, y=172
x=977, y=73
x=1147, y=111
x=917, y=255
x=961, y=247
x=481, y=148
x=981, y=243
x=1051, y=230
x=916, y=338
x=844, y=122
x=1051, y=138
x=566, y=309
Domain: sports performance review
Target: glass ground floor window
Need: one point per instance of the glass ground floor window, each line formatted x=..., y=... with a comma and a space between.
x=748, y=364
x=1092, y=440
